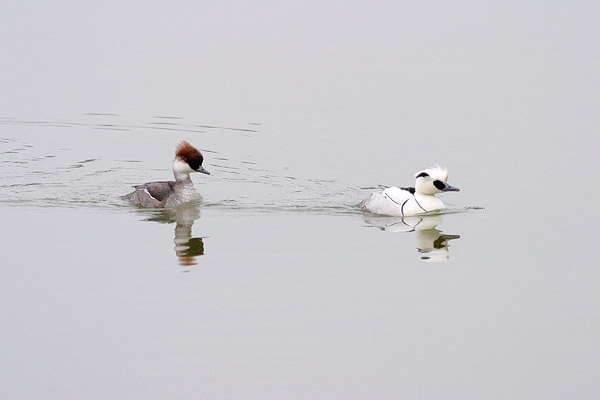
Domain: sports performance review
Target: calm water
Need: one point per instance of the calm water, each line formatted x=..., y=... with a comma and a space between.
x=275, y=285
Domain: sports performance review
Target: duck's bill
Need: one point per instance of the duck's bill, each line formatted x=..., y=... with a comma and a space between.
x=204, y=171
x=449, y=188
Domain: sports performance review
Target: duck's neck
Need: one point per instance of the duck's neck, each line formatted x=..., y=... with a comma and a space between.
x=182, y=177
x=429, y=202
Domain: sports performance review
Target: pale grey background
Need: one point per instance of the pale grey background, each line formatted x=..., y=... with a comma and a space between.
x=296, y=106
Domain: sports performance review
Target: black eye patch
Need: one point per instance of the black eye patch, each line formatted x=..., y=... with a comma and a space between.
x=439, y=184
x=194, y=162
x=422, y=175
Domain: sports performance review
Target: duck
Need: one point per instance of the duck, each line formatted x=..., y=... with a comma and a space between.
x=409, y=201
x=161, y=194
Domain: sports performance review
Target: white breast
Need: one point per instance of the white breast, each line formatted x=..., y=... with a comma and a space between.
x=183, y=194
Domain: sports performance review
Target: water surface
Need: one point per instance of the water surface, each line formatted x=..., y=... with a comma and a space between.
x=275, y=285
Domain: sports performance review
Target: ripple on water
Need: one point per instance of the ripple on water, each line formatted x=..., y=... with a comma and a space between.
x=70, y=164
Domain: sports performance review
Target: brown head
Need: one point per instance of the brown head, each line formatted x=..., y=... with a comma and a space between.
x=191, y=156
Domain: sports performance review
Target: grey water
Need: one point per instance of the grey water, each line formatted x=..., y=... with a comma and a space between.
x=275, y=285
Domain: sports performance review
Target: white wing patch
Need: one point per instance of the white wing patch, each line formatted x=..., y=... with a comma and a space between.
x=148, y=193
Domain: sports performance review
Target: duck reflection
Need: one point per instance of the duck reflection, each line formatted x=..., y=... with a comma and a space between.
x=432, y=244
x=187, y=248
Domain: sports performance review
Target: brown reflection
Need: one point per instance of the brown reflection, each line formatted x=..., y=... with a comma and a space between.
x=187, y=248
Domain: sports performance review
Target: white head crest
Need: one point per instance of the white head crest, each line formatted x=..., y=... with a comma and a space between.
x=435, y=172
x=433, y=180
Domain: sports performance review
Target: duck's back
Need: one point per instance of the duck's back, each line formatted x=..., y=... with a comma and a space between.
x=151, y=194
x=389, y=201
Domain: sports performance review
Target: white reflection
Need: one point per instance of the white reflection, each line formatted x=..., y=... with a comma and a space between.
x=431, y=242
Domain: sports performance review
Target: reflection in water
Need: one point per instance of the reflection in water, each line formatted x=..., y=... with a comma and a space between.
x=187, y=248
x=431, y=243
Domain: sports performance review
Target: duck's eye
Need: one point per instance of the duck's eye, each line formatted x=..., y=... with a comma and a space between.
x=423, y=175
x=193, y=162
x=439, y=184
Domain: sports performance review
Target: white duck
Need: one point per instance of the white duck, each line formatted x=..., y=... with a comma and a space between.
x=408, y=201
